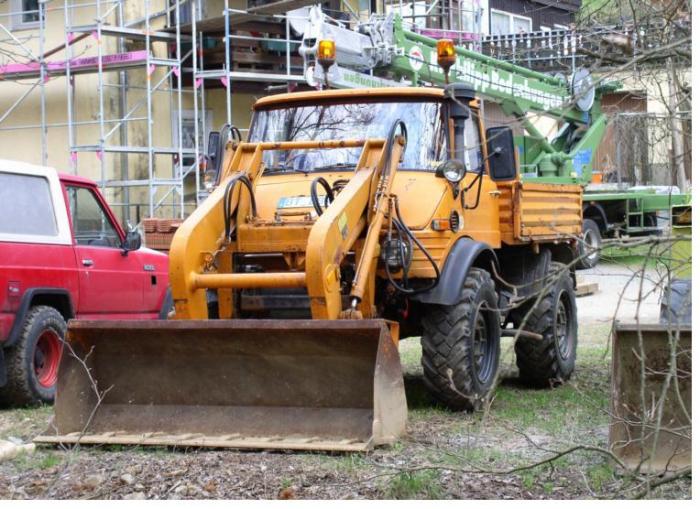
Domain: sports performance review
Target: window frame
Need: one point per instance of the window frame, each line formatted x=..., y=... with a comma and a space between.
x=511, y=18
x=17, y=8
x=63, y=235
x=441, y=119
x=103, y=208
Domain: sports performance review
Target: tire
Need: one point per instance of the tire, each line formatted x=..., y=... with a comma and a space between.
x=591, y=239
x=32, y=363
x=453, y=336
x=551, y=360
x=167, y=306
x=676, y=303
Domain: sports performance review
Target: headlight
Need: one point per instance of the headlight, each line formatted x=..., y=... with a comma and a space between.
x=453, y=170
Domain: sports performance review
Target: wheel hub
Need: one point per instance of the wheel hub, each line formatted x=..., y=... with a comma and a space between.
x=482, y=349
x=590, y=245
x=561, y=327
x=47, y=355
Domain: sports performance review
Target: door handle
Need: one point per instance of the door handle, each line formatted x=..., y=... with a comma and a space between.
x=88, y=262
x=495, y=193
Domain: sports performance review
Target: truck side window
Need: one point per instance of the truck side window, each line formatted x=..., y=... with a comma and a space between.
x=26, y=207
x=472, y=144
x=91, y=225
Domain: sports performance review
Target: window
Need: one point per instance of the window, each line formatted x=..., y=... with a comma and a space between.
x=188, y=130
x=26, y=205
x=544, y=28
x=423, y=119
x=503, y=23
x=185, y=8
x=521, y=24
x=91, y=225
x=500, y=23
x=472, y=144
x=25, y=14
x=468, y=17
x=413, y=14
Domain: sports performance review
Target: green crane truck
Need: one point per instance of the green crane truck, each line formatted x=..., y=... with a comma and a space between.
x=381, y=52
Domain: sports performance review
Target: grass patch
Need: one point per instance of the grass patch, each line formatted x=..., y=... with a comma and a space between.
x=343, y=463
x=24, y=423
x=654, y=256
x=38, y=461
x=411, y=352
x=49, y=461
x=599, y=476
x=561, y=411
x=415, y=485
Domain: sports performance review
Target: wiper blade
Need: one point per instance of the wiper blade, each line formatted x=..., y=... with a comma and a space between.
x=280, y=169
x=336, y=166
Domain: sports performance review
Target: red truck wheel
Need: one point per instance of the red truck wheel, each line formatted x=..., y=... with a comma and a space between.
x=47, y=355
x=32, y=363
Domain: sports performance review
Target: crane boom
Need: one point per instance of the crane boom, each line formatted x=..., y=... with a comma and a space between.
x=381, y=52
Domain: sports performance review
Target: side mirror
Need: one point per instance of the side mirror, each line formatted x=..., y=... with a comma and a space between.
x=132, y=242
x=213, y=148
x=501, y=153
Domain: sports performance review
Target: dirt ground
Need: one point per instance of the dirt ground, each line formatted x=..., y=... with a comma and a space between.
x=444, y=455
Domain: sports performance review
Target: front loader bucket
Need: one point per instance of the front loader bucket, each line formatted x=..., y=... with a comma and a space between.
x=255, y=384
x=650, y=426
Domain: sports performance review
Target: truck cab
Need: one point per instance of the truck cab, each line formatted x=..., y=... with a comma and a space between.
x=63, y=255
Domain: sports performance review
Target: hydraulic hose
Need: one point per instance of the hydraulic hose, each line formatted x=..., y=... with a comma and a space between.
x=401, y=226
x=228, y=197
x=314, y=194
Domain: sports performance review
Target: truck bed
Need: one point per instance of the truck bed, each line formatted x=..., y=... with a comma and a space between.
x=531, y=211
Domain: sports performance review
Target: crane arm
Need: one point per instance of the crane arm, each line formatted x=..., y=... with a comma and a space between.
x=383, y=46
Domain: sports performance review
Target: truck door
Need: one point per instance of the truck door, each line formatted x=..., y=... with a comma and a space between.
x=111, y=283
x=480, y=198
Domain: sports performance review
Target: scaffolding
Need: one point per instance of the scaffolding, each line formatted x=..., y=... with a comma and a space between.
x=152, y=52
x=111, y=22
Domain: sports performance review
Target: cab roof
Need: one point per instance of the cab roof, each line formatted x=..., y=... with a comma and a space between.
x=21, y=167
x=358, y=94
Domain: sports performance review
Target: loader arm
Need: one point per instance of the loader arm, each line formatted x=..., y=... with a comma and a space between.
x=197, y=264
x=198, y=239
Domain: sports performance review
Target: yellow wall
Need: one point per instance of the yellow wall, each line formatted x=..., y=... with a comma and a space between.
x=25, y=144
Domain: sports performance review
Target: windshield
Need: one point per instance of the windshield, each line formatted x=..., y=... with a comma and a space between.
x=424, y=150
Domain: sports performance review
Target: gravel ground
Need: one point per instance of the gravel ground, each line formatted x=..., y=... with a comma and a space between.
x=444, y=455
x=620, y=288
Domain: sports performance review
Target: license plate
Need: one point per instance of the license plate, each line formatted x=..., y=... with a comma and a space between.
x=297, y=202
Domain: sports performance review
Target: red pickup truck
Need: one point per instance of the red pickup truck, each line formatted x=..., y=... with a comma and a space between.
x=63, y=255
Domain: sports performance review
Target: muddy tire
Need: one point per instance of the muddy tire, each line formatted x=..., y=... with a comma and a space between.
x=32, y=363
x=589, y=246
x=550, y=360
x=461, y=345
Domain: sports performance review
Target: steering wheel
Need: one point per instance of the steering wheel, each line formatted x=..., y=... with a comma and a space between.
x=290, y=164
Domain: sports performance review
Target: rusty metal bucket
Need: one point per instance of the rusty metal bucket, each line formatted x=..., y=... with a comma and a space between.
x=255, y=384
x=651, y=433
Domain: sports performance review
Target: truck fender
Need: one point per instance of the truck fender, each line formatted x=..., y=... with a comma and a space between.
x=58, y=298
x=464, y=254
